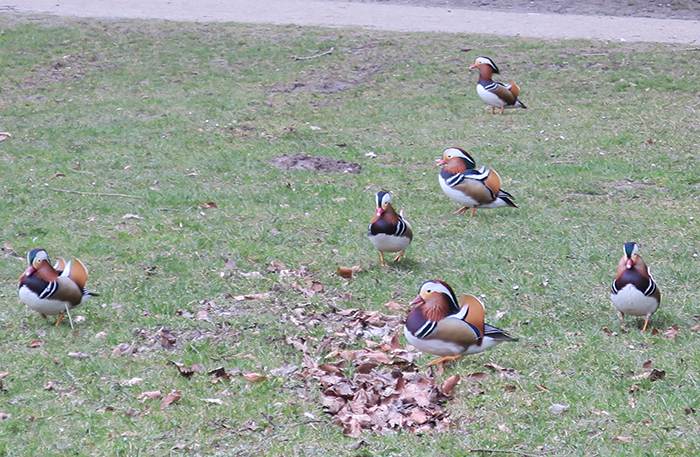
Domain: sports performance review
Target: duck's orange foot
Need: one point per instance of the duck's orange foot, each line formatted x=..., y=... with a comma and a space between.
x=60, y=318
x=461, y=210
x=398, y=257
x=442, y=360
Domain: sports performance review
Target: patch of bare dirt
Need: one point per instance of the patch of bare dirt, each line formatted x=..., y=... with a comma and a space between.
x=674, y=9
x=303, y=161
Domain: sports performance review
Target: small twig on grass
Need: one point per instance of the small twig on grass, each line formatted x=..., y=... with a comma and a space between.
x=503, y=451
x=101, y=194
x=619, y=223
x=330, y=51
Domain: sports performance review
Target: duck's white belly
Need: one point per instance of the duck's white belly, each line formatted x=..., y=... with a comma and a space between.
x=489, y=97
x=630, y=300
x=43, y=306
x=389, y=243
x=456, y=195
x=433, y=346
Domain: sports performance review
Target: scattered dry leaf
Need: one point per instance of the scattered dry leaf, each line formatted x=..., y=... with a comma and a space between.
x=4, y=416
x=219, y=373
x=78, y=355
x=480, y=376
x=448, y=385
x=171, y=398
x=251, y=296
x=495, y=367
x=131, y=216
x=215, y=401
x=622, y=439
x=671, y=332
x=607, y=331
x=695, y=327
x=558, y=408
x=647, y=364
x=344, y=272
x=541, y=388
x=4, y=374
x=35, y=344
x=187, y=372
x=152, y=394
x=208, y=205
x=254, y=377
x=4, y=136
x=656, y=375
x=504, y=428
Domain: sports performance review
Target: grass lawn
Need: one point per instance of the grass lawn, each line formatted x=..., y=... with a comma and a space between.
x=143, y=147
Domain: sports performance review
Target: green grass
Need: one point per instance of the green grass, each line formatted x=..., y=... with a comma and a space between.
x=181, y=114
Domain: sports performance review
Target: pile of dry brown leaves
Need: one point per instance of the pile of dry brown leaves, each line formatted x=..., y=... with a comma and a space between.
x=376, y=388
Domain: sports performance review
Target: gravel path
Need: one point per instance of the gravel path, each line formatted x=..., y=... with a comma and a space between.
x=380, y=16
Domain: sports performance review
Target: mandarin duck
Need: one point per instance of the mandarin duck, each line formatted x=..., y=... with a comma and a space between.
x=389, y=231
x=634, y=291
x=495, y=94
x=471, y=188
x=53, y=290
x=442, y=325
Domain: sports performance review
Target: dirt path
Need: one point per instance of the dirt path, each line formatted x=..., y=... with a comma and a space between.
x=381, y=16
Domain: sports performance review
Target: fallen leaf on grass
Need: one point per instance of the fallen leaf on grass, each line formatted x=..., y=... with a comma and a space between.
x=298, y=344
x=131, y=216
x=171, y=398
x=131, y=382
x=541, y=388
x=78, y=355
x=504, y=428
x=35, y=344
x=449, y=384
x=219, y=373
x=123, y=348
x=215, y=401
x=330, y=368
x=656, y=375
x=251, y=296
x=695, y=327
x=208, y=205
x=671, y=332
x=4, y=416
x=480, y=376
x=254, y=377
x=152, y=394
x=393, y=306
x=647, y=364
x=495, y=367
x=4, y=136
x=607, y=331
x=4, y=374
x=558, y=408
x=622, y=439
x=653, y=375
x=348, y=272
x=186, y=372
x=285, y=369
